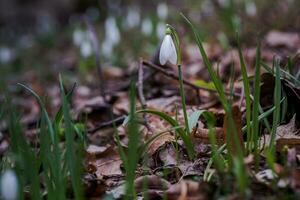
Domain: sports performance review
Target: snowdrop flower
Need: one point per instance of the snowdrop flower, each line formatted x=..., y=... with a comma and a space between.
x=160, y=30
x=162, y=10
x=147, y=27
x=112, y=33
x=250, y=8
x=107, y=48
x=9, y=185
x=112, y=36
x=86, y=49
x=168, y=51
x=133, y=18
x=6, y=55
x=82, y=39
x=78, y=37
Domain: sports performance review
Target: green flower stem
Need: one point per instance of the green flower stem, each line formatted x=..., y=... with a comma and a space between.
x=183, y=100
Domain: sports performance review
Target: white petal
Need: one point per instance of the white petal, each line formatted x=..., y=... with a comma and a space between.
x=112, y=32
x=9, y=185
x=173, y=53
x=147, y=27
x=162, y=10
x=167, y=51
x=163, y=53
x=160, y=30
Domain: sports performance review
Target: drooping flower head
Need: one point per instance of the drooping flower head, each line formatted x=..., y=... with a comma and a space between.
x=9, y=185
x=169, y=50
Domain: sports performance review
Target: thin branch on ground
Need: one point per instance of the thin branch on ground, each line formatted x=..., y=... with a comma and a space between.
x=140, y=87
x=186, y=82
x=110, y=123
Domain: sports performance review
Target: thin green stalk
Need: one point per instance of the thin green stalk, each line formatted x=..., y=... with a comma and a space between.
x=265, y=120
x=256, y=100
x=24, y=155
x=247, y=96
x=71, y=158
x=219, y=87
x=180, y=131
x=183, y=100
x=286, y=74
x=276, y=114
x=133, y=146
x=232, y=134
x=55, y=163
x=264, y=115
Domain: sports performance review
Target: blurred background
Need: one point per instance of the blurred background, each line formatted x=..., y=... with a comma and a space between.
x=41, y=38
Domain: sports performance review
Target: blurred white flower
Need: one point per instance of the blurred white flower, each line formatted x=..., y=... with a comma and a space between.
x=86, y=49
x=6, y=55
x=9, y=185
x=250, y=8
x=112, y=33
x=78, y=36
x=133, y=18
x=147, y=27
x=162, y=10
x=167, y=51
x=107, y=48
x=160, y=30
x=112, y=36
x=82, y=39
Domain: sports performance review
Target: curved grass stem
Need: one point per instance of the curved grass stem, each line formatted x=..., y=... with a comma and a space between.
x=183, y=100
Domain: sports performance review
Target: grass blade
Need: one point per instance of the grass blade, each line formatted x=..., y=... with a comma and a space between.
x=71, y=156
x=256, y=100
x=277, y=98
x=247, y=95
x=186, y=139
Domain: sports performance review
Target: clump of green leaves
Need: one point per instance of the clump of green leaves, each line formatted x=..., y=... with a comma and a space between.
x=54, y=164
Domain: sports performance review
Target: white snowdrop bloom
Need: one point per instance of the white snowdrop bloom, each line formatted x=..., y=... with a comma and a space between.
x=6, y=55
x=160, y=30
x=147, y=27
x=107, y=48
x=133, y=18
x=162, y=10
x=78, y=37
x=167, y=51
x=9, y=185
x=250, y=8
x=112, y=32
x=86, y=49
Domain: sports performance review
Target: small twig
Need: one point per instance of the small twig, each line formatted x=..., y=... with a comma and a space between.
x=95, y=41
x=117, y=120
x=140, y=85
x=141, y=93
x=186, y=82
